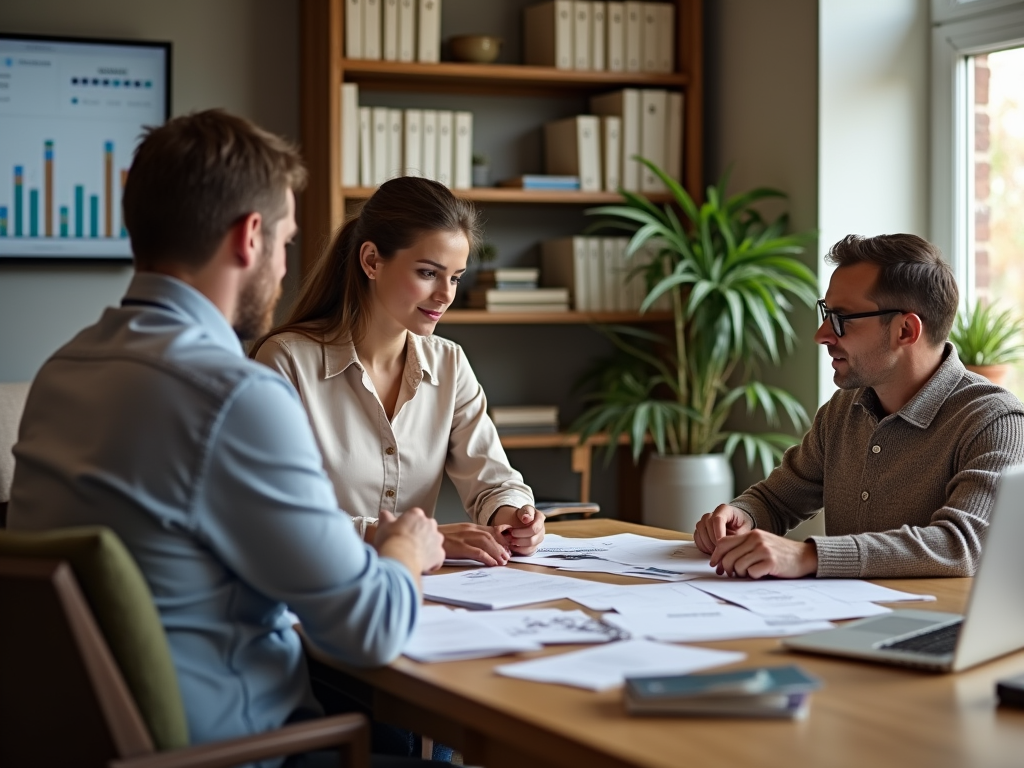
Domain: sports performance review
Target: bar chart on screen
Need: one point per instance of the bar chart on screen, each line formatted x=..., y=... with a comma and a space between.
x=71, y=114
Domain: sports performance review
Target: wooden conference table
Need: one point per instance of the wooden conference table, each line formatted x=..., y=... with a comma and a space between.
x=865, y=715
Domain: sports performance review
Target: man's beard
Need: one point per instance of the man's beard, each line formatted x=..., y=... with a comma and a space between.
x=254, y=314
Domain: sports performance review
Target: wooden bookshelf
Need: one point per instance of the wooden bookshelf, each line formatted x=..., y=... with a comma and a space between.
x=582, y=453
x=522, y=196
x=483, y=317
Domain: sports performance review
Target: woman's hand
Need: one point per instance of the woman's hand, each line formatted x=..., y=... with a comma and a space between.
x=475, y=542
x=522, y=529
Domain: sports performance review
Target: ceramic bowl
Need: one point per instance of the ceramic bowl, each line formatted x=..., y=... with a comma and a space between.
x=481, y=49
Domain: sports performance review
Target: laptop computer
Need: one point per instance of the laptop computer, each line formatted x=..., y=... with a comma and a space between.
x=948, y=642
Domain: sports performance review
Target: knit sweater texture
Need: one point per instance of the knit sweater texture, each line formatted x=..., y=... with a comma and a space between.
x=906, y=494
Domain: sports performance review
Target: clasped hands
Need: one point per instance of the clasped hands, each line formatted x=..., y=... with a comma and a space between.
x=738, y=549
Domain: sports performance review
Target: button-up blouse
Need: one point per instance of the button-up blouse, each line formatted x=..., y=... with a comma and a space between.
x=440, y=424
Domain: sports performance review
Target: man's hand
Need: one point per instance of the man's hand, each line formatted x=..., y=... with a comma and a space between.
x=475, y=542
x=724, y=521
x=524, y=528
x=756, y=554
x=412, y=539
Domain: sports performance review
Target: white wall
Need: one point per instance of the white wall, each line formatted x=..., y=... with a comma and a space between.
x=873, y=129
x=242, y=55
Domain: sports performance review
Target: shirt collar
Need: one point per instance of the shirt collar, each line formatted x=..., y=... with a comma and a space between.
x=924, y=406
x=174, y=295
x=342, y=354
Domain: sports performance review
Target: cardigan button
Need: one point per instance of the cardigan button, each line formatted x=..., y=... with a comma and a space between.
x=864, y=496
x=876, y=449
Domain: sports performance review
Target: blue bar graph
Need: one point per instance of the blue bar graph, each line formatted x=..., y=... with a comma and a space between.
x=79, y=210
x=94, y=215
x=63, y=221
x=3, y=221
x=19, y=184
x=33, y=213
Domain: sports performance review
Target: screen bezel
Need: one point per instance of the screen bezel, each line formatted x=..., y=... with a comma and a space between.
x=160, y=44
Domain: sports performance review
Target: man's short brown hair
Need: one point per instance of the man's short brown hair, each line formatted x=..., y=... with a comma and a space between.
x=195, y=177
x=912, y=277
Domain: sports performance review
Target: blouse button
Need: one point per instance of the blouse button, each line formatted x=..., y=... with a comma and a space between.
x=876, y=449
x=390, y=493
x=389, y=450
x=864, y=496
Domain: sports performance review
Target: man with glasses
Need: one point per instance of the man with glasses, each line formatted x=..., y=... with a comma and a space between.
x=904, y=458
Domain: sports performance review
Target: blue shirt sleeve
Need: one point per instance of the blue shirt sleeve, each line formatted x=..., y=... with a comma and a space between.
x=267, y=508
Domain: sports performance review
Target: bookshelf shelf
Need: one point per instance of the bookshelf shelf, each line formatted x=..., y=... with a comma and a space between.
x=520, y=196
x=483, y=317
x=518, y=79
x=556, y=440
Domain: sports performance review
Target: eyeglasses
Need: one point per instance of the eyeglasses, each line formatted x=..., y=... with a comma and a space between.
x=839, y=321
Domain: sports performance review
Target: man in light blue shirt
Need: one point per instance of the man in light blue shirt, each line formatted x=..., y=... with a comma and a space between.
x=154, y=423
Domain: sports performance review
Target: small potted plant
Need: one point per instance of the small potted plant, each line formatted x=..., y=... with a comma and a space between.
x=481, y=170
x=988, y=341
x=732, y=278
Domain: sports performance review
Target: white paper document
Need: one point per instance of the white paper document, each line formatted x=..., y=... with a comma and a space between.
x=627, y=549
x=590, y=565
x=550, y=626
x=502, y=587
x=781, y=599
x=606, y=666
x=704, y=623
x=644, y=597
x=445, y=635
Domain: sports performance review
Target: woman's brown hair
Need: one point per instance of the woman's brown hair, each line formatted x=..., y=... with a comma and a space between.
x=334, y=300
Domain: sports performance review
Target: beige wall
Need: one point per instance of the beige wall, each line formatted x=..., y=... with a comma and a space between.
x=241, y=55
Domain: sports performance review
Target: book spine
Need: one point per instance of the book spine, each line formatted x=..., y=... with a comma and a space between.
x=413, y=142
x=390, y=46
x=609, y=275
x=354, y=29
x=666, y=25
x=407, y=30
x=381, y=133
x=598, y=36
x=615, y=45
x=365, y=147
x=463, y=175
x=371, y=29
x=581, y=275
x=588, y=144
x=624, y=292
x=649, y=38
x=396, y=135
x=653, y=106
x=611, y=145
x=430, y=144
x=595, y=275
x=445, y=145
x=349, y=135
x=581, y=34
x=429, y=47
x=634, y=35
x=674, y=136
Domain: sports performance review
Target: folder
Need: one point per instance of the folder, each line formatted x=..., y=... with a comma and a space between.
x=389, y=48
x=611, y=277
x=548, y=34
x=381, y=130
x=429, y=158
x=365, y=147
x=413, y=143
x=611, y=151
x=462, y=178
x=595, y=275
x=572, y=147
x=598, y=21
x=396, y=136
x=407, y=30
x=649, y=37
x=429, y=38
x=354, y=29
x=653, y=109
x=581, y=32
x=564, y=265
x=445, y=145
x=371, y=29
x=626, y=105
x=615, y=36
x=634, y=35
x=349, y=135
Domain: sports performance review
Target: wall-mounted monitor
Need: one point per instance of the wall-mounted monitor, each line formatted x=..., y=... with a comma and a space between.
x=71, y=114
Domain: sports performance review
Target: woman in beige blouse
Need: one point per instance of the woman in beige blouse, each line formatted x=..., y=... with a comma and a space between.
x=392, y=406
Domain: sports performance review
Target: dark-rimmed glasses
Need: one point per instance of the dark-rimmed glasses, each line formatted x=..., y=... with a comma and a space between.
x=839, y=321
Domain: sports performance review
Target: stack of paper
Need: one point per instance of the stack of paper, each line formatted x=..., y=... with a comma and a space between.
x=706, y=623
x=607, y=666
x=763, y=692
x=445, y=635
x=495, y=588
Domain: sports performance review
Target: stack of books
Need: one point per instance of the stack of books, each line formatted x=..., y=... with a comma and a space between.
x=613, y=36
x=762, y=692
x=524, y=419
x=515, y=290
x=378, y=143
x=543, y=181
x=393, y=30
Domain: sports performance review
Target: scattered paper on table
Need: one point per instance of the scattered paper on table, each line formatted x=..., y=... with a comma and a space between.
x=781, y=599
x=622, y=598
x=502, y=587
x=705, y=623
x=445, y=635
x=607, y=666
x=550, y=626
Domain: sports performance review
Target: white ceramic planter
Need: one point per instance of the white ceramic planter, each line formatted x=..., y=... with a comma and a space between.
x=678, y=490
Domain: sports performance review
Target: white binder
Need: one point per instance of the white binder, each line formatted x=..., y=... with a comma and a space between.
x=354, y=29
x=371, y=29
x=365, y=147
x=625, y=104
x=611, y=151
x=445, y=145
x=595, y=274
x=598, y=36
x=581, y=33
x=548, y=34
x=380, y=125
x=407, y=30
x=349, y=135
x=413, y=144
x=666, y=48
x=462, y=177
x=396, y=135
x=653, y=109
x=390, y=47
x=634, y=35
x=430, y=144
x=572, y=148
x=649, y=37
x=429, y=39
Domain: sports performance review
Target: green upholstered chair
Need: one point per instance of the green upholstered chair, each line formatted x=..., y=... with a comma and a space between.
x=87, y=673
x=12, y=403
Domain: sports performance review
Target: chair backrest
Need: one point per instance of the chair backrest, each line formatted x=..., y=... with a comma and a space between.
x=12, y=403
x=118, y=601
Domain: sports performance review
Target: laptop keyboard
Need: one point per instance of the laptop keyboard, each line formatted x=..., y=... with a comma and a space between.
x=937, y=642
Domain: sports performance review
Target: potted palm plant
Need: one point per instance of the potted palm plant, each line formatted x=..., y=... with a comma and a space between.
x=732, y=278
x=988, y=341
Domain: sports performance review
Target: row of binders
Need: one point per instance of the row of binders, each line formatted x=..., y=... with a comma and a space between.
x=393, y=30
x=379, y=143
x=615, y=36
x=595, y=271
x=599, y=148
